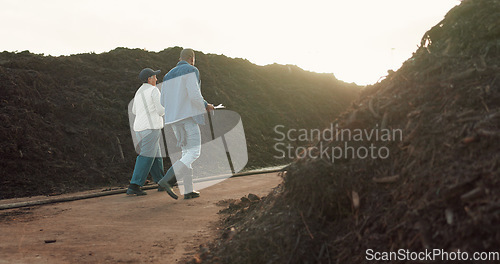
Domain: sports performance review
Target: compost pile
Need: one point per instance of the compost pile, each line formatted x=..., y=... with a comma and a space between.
x=64, y=124
x=438, y=189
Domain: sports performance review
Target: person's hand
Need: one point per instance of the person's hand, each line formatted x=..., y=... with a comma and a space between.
x=210, y=107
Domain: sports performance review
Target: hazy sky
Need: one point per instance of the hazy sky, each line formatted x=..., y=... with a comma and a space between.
x=357, y=40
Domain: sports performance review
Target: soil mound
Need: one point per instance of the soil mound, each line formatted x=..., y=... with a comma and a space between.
x=439, y=187
x=64, y=122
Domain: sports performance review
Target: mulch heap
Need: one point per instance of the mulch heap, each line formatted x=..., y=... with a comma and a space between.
x=438, y=189
x=64, y=124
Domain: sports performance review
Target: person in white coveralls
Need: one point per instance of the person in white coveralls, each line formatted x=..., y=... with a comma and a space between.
x=184, y=111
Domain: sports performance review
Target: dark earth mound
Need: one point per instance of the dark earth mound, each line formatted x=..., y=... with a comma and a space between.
x=64, y=122
x=438, y=189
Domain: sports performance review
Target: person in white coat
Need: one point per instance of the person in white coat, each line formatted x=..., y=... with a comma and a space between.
x=148, y=123
x=184, y=111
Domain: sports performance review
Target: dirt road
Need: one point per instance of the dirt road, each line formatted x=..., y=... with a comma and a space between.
x=120, y=228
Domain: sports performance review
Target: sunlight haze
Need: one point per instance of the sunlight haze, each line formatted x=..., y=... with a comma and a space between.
x=357, y=41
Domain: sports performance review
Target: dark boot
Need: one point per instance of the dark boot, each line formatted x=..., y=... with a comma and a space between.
x=134, y=189
x=172, y=182
x=177, y=168
x=191, y=195
x=166, y=187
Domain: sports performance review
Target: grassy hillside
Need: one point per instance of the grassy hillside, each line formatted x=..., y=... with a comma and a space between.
x=64, y=122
